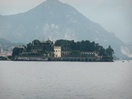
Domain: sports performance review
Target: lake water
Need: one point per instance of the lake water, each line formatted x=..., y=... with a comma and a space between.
x=65, y=80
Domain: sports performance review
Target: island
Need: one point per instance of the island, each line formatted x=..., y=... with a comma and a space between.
x=63, y=50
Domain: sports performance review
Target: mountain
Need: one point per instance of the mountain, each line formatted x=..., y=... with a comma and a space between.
x=127, y=50
x=55, y=20
x=4, y=42
x=7, y=45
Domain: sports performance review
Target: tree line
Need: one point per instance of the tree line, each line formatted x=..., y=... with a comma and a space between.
x=86, y=46
x=67, y=45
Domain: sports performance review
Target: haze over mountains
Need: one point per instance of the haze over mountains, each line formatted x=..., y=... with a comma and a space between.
x=55, y=20
x=7, y=45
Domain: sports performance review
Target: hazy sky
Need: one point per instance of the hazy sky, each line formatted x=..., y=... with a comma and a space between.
x=114, y=15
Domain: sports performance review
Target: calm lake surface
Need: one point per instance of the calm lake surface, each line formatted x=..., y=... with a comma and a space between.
x=65, y=80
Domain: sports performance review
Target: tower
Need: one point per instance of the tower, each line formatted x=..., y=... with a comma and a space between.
x=57, y=51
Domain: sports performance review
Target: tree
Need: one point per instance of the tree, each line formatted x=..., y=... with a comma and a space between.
x=29, y=45
x=36, y=42
x=108, y=54
x=17, y=51
x=110, y=51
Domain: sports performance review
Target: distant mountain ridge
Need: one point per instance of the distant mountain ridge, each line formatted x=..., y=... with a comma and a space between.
x=55, y=20
x=7, y=45
x=4, y=42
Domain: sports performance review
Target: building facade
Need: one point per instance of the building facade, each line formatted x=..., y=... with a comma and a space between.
x=57, y=51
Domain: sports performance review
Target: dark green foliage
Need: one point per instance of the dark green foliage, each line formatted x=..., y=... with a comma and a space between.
x=65, y=44
x=47, y=47
x=10, y=57
x=85, y=46
x=68, y=45
x=75, y=49
x=17, y=51
x=29, y=45
x=3, y=58
x=35, y=42
x=110, y=51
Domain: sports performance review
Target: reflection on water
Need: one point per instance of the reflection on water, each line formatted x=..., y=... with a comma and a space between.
x=65, y=80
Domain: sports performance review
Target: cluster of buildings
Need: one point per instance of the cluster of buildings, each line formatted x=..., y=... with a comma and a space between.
x=5, y=53
x=47, y=51
x=67, y=55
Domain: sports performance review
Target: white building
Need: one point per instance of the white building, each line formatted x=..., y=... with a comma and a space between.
x=57, y=51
